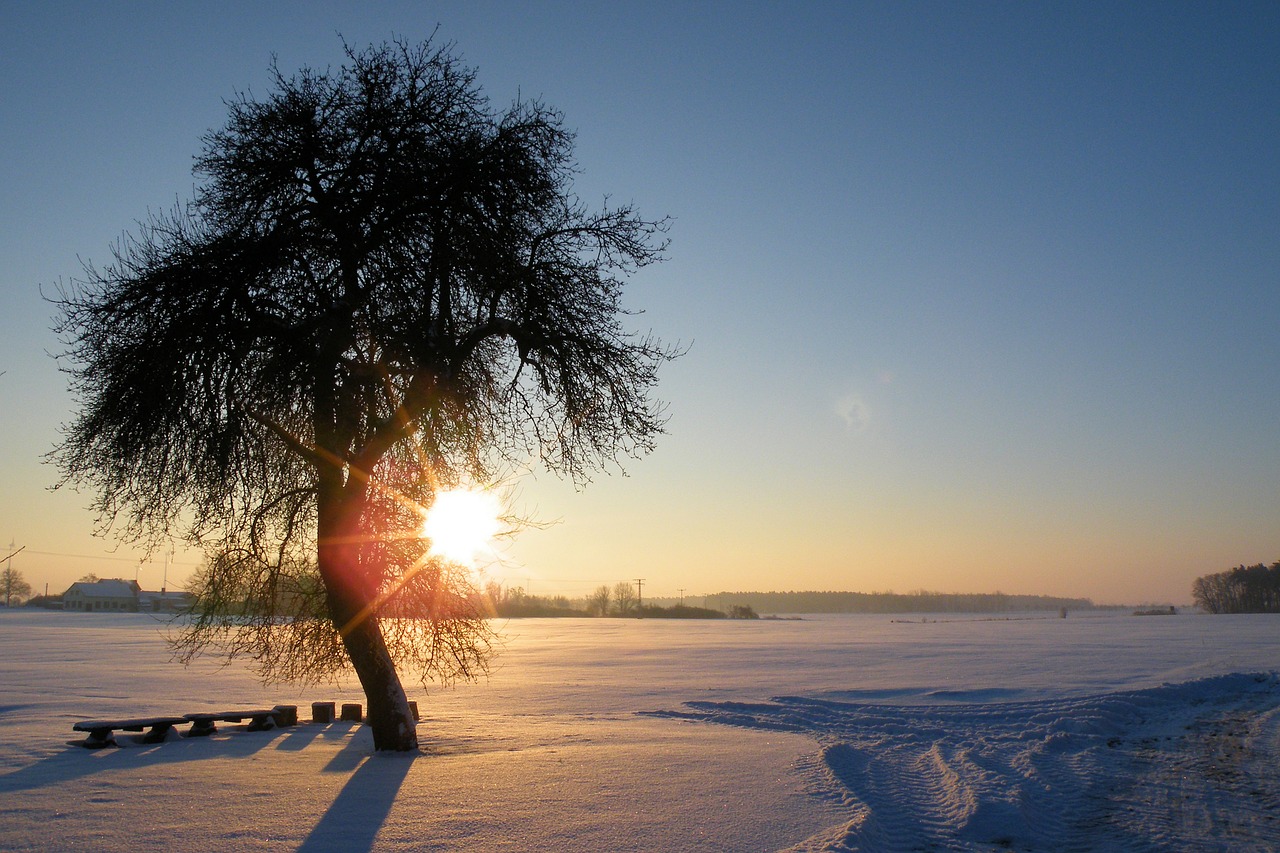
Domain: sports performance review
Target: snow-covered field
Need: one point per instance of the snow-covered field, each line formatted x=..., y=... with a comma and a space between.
x=832, y=733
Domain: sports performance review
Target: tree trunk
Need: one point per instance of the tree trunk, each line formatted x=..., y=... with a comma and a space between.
x=350, y=592
x=388, y=707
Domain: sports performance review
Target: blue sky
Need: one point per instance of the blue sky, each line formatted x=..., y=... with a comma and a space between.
x=977, y=296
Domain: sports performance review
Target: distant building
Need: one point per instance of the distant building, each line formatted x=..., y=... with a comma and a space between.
x=114, y=595
x=170, y=601
x=109, y=594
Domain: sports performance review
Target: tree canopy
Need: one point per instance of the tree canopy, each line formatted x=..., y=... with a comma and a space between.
x=382, y=287
x=14, y=586
x=1244, y=589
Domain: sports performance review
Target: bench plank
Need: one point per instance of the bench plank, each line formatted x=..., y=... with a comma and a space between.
x=260, y=719
x=101, y=731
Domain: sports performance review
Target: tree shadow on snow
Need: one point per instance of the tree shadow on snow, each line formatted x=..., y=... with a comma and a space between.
x=361, y=808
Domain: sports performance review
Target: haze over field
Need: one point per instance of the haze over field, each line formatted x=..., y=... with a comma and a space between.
x=978, y=297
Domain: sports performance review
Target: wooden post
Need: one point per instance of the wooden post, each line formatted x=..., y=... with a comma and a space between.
x=286, y=715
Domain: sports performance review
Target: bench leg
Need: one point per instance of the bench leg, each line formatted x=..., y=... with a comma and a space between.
x=202, y=728
x=99, y=738
x=261, y=724
x=157, y=734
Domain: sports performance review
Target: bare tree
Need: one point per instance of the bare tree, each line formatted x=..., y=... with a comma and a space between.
x=624, y=593
x=16, y=589
x=382, y=287
x=598, y=601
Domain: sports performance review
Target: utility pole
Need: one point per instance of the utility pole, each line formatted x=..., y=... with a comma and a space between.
x=8, y=572
x=639, y=593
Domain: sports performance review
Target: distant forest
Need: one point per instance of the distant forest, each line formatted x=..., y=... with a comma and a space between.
x=890, y=602
x=623, y=600
x=1244, y=589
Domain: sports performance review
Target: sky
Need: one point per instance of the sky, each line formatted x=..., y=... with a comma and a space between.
x=976, y=296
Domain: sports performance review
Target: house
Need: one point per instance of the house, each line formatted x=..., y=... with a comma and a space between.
x=170, y=601
x=121, y=596
x=110, y=594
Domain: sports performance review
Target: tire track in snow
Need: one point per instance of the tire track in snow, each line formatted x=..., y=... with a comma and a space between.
x=1186, y=767
x=1215, y=780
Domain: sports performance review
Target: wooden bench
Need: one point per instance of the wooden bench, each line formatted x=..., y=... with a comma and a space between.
x=101, y=732
x=260, y=719
x=202, y=724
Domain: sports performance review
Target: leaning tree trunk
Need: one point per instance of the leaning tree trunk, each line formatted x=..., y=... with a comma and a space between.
x=350, y=592
x=388, y=706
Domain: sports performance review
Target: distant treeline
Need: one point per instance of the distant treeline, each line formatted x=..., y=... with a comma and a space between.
x=621, y=600
x=891, y=602
x=1244, y=589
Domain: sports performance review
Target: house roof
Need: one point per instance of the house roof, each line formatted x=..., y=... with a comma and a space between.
x=175, y=594
x=113, y=588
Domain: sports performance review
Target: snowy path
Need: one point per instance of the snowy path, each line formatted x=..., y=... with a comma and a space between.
x=1187, y=767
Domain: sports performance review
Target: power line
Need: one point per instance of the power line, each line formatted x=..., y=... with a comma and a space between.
x=100, y=557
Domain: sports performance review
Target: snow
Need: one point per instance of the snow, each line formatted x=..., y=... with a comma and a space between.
x=832, y=733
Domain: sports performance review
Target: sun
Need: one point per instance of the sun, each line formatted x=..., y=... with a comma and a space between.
x=461, y=524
